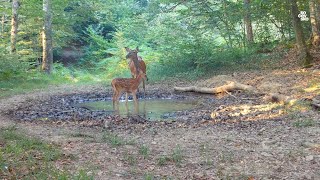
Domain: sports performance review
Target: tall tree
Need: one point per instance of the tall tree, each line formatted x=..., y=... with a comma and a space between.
x=317, y=12
x=2, y=23
x=304, y=54
x=314, y=23
x=247, y=21
x=14, y=25
x=47, y=54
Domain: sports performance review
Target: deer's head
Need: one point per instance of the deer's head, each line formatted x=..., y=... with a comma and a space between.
x=132, y=54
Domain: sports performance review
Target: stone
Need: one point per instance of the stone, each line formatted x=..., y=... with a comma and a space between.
x=309, y=158
x=266, y=154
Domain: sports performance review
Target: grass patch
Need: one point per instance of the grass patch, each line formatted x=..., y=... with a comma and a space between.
x=304, y=123
x=162, y=160
x=204, y=153
x=22, y=80
x=298, y=106
x=148, y=176
x=130, y=158
x=144, y=151
x=82, y=135
x=114, y=140
x=175, y=157
x=22, y=157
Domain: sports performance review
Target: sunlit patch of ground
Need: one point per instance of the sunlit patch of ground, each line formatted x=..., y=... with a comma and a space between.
x=246, y=112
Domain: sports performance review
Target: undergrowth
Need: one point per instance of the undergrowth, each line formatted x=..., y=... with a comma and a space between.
x=187, y=67
x=18, y=76
x=32, y=79
x=23, y=157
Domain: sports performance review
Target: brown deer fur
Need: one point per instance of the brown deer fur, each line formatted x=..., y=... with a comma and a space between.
x=128, y=85
x=136, y=65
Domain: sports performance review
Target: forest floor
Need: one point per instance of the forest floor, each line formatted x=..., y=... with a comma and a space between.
x=231, y=136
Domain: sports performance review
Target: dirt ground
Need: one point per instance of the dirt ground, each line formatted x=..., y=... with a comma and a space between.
x=231, y=136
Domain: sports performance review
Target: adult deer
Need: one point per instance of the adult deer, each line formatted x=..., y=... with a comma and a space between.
x=136, y=65
x=128, y=85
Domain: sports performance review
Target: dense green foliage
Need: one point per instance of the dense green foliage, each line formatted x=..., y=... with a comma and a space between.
x=175, y=37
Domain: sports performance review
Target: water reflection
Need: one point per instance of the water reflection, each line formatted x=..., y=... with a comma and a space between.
x=151, y=109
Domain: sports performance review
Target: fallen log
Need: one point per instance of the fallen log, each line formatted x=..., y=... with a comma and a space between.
x=231, y=86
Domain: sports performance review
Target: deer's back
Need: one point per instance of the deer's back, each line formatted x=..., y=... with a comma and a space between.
x=125, y=84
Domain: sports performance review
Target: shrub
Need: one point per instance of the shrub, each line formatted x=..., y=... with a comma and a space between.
x=11, y=66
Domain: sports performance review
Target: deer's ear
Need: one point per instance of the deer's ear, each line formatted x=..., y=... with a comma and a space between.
x=137, y=48
x=128, y=49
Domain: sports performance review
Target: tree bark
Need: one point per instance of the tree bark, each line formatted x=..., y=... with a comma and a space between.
x=247, y=21
x=2, y=23
x=47, y=61
x=225, y=15
x=314, y=24
x=317, y=13
x=14, y=25
x=304, y=54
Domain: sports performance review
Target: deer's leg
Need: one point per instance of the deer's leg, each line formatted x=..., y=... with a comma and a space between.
x=136, y=105
x=127, y=109
x=144, y=89
x=126, y=98
x=134, y=96
x=144, y=109
x=114, y=98
x=116, y=101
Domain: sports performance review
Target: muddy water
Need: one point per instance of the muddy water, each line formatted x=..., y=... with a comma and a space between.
x=151, y=109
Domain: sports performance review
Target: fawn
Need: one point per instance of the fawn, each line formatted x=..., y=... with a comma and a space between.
x=128, y=85
x=136, y=65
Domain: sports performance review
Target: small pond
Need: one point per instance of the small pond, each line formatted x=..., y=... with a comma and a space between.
x=151, y=109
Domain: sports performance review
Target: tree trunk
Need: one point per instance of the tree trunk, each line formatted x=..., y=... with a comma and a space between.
x=317, y=12
x=47, y=61
x=2, y=24
x=305, y=58
x=247, y=21
x=14, y=25
x=225, y=15
x=314, y=24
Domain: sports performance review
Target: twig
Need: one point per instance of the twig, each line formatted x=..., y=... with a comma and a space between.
x=230, y=94
x=173, y=7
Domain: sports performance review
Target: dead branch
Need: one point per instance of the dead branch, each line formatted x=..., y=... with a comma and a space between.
x=231, y=86
x=231, y=94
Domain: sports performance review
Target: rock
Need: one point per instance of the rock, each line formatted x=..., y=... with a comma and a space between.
x=266, y=154
x=261, y=131
x=309, y=158
x=107, y=124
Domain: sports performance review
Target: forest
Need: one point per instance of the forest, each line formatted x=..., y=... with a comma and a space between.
x=87, y=38
x=246, y=73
